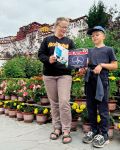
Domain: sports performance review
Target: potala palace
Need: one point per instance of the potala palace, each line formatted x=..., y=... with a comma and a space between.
x=29, y=37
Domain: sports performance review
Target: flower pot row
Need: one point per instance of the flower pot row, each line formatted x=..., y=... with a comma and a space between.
x=111, y=103
x=43, y=99
x=24, y=116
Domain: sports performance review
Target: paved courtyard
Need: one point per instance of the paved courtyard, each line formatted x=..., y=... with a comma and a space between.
x=15, y=135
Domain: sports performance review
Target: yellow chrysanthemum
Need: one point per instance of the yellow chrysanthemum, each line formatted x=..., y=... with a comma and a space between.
x=1, y=103
x=79, y=110
x=76, y=104
x=45, y=111
x=36, y=111
x=112, y=78
x=18, y=106
x=82, y=106
x=23, y=104
x=74, y=107
x=98, y=118
x=119, y=125
x=77, y=79
x=14, y=104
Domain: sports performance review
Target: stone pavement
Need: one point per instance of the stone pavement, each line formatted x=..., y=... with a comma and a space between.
x=15, y=135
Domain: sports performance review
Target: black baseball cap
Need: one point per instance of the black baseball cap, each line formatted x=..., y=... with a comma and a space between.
x=96, y=28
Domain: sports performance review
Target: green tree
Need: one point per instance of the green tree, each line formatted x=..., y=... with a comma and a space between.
x=97, y=16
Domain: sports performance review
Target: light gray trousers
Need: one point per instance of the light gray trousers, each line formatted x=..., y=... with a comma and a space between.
x=58, y=91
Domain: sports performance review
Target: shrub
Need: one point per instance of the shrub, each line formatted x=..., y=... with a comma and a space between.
x=22, y=67
x=14, y=68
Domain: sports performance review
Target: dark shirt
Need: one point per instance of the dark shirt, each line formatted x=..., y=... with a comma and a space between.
x=47, y=49
x=101, y=55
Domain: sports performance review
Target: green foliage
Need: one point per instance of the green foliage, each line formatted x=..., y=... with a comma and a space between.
x=77, y=90
x=22, y=67
x=43, y=90
x=83, y=43
x=97, y=15
x=84, y=116
x=113, y=40
x=33, y=67
x=13, y=105
x=29, y=108
x=21, y=107
x=113, y=86
x=14, y=68
x=12, y=87
x=111, y=121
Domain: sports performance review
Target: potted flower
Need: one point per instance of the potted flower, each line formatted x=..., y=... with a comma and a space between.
x=2, y=89
x=20, y=95
x=85, y=121
x=6, y=107
x=43, y=96
x=12, y=108
x=12, y=88
x=2, y=85
x=1, y=107
x=20, y=110
x=118, y=126
x=112, y=93
x=42, y=113
x=37, y=93
x=111, y=126
x=118, y=86
x=28, y=113
x=21, y=90
x=76, y=109
x=77, y=90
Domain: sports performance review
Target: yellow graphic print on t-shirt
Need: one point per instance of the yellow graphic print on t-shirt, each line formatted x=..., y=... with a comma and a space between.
x=52, y=44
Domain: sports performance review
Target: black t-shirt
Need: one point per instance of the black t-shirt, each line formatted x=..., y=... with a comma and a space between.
x=47, y=49
x=101, y=55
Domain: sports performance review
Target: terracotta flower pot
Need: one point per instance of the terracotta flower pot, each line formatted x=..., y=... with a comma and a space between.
x=1, y=110
x=74, y=124
x=80, y=101
x=28, y=117
x=2, y=96
x=19, y=116
x=13, y=97
x=6, y=110
x=7, y=97
x=86, y=127
x=44, y=101
x=12, y=113
x=112, y=105
x=20, y=99
x=111, y=132
x=41, y=119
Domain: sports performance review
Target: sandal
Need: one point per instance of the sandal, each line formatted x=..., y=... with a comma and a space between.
x=66, y=136
x=56, y=135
